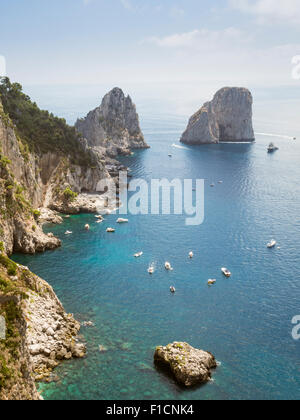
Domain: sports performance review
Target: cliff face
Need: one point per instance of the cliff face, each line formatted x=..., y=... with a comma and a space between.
x=227, y=118
x=31, y=180
x=113, y=127
x=39, y=334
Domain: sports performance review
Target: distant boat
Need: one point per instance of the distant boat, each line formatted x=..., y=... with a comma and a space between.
x=110, y=230
x=138, y=254
x=211, y=282
x=168, y=266
x=272, y=148
x=170, y=155
x=151, y=269
x=122, y=220
x=226, y=272
x=172, y=289
x=271, y=244
x=212, y=185
x=68, y=232
x=191, y=254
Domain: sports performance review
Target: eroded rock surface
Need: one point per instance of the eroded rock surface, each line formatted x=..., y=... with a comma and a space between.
x=190, y=366
x=227, y=118
x=113, y=127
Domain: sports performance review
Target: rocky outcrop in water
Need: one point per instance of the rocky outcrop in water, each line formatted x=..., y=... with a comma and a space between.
x=113, y=128
x=190, y=366
x=39, y=333
x=227, y=118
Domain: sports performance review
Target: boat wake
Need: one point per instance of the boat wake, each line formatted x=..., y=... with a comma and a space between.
x=177, y=146
x=275, y=135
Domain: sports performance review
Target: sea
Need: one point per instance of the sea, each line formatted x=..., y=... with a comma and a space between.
x=245, y=320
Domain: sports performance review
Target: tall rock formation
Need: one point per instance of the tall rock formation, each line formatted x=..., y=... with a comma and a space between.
x=113, y=127
x=227, y=118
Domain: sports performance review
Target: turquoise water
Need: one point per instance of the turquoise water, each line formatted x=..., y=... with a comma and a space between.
x=245, y=320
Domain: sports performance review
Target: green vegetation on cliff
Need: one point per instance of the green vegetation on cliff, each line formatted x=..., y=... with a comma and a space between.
x=40, y=130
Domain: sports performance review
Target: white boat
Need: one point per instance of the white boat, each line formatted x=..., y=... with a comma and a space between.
x=122, y=220
x=99, y=221
x=168, y=266
x=98, y=216
x=212, y=185
x=272, y=244
x=211, y=282
x=68, y=232
x=172, y=289
x=138, y=254
x=191, y=255
x=151, y=269
x=110, y=230
x=226, y=272
x=220, y=182
x=87, y=227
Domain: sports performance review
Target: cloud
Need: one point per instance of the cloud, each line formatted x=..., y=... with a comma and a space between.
x=127, y=4
x=200, y=39
x=269, y=10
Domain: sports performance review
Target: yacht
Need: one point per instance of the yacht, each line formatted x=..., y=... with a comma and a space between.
x=168, y=266
x=172, y=289
x=226, y=272
x=110, y=230
x=272, y=148
x=138, y=254
x=68, y=232
x=151, y=269
x=272, y=244
x=211, y=282
x=122, y=220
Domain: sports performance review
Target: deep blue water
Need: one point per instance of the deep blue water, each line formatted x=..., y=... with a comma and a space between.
x=245, y=321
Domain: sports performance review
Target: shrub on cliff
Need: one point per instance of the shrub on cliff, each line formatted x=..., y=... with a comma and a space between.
x=41, y=130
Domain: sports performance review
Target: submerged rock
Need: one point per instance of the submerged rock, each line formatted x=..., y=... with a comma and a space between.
x=190, y=366
x=227, y=118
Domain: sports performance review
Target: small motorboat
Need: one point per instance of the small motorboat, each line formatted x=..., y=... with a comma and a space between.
x=226, y=272
x=220, y=182
x=170, y=155
x=110, y=230
x=138, y=254
x=172, y=289
x=168, y=266
x=272, y=148
x=212, y=185
x=191, y=255
x=87, y=227
x=99, y=221
x=151, y=269
x=211, y=282
x=68, y=232
x=122, y=220
x=98, y=216
x=272, y=244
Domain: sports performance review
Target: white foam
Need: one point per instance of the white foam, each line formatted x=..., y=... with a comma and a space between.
x=179, y=147
x=281, y=136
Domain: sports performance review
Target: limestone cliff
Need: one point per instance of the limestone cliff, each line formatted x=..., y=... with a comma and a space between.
x=113, y=127
x=227, y=118
x=35, y=174
x=39, y=334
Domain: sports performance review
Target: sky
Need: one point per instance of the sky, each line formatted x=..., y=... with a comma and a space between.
x=151, y=42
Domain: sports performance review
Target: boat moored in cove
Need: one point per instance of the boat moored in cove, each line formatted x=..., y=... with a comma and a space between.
x=272, y=244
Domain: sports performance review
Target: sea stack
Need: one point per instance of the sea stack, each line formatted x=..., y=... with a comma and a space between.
x=227, y=118
x=113, y=127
